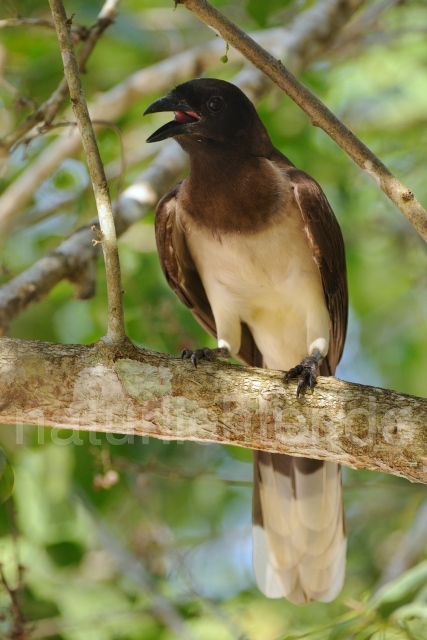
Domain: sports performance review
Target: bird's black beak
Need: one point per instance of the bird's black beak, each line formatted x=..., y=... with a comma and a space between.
x=184, y=121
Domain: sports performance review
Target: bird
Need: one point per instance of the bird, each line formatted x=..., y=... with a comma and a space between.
x=250, y=244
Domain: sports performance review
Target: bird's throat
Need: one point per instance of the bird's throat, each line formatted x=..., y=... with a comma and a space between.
x=230, y=195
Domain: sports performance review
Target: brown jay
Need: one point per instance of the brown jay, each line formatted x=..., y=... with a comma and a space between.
x=250, y=244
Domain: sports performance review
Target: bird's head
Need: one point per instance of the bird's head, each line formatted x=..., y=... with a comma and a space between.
x=207, y=110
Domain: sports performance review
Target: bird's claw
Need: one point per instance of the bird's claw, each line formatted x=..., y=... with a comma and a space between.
x=198, y=354
x=307, y=371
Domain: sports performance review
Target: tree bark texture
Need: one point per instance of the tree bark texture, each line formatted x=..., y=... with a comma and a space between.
x=126, y=390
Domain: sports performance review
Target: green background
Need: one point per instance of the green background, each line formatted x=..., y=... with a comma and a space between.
x=110, y=530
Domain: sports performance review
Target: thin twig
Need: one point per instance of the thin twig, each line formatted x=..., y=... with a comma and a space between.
x=114, y=170
x=42, y=129
x=364, y=22
x=73, y=259
x=78, y=29
x=48, y=110
x=116, y=328
x=319, y=114
x=18, y=631
x=19, y=100
x=298, y=44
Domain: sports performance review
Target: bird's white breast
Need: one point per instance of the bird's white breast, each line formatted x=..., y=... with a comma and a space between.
x=268, y=279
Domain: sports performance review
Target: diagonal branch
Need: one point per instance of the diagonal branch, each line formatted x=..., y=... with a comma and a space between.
x=47, y=111
x=74, y=258
x=313, y=29
x=320, y=115
x=126, y=390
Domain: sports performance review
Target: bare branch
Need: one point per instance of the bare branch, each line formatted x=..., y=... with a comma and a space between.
x=125, y=390
x=320, y=115
x=363, y=23
x=114, y=170
x=19, y=629
x=116, y=326
x=72, y=259
x=298, y=45
x=78, y=29
x=47, y=111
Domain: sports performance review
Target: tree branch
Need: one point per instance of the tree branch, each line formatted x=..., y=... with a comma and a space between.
x=126, y=390
x=19, y=623
x=320, y=115
x=298, y=44
x=116, y=326
x=79, y=29
x=47, y=111
x=73, y=259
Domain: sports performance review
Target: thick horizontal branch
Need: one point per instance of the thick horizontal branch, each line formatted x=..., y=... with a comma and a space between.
x=125, y=390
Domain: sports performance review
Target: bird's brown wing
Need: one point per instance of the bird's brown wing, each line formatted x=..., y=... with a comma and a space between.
x=182, y=276
x=327, y=246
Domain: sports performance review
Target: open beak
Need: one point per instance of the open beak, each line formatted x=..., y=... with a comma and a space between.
x=183, y=122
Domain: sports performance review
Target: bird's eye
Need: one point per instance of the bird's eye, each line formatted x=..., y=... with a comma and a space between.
x=215, y=104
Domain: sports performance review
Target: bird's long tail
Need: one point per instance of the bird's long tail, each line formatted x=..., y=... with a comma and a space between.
x=299, y=538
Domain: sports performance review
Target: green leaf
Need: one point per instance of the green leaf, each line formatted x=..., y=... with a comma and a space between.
x=65, y=553
x=401, y=590
x=6, y=477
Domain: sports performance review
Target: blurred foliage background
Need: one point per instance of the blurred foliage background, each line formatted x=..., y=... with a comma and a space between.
x=120, y=539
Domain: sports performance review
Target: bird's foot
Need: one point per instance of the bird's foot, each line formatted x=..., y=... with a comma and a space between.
x=307, y=371
x=204, y=354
